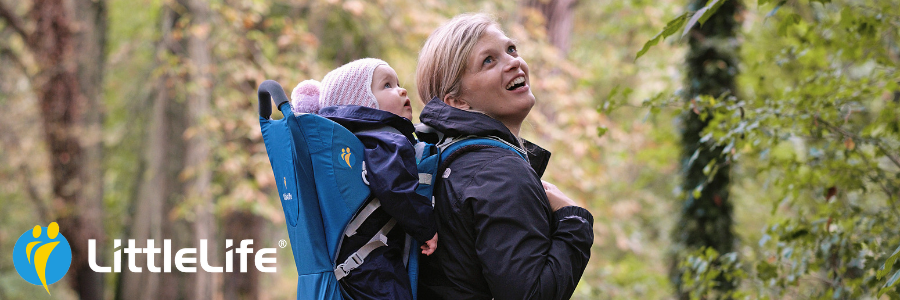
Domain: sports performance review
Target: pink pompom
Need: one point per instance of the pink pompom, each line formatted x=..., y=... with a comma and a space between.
x=305, y=97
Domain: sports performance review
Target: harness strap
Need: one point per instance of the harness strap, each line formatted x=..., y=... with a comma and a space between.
x=361, y=217
x=425, y=178
x=357, y=258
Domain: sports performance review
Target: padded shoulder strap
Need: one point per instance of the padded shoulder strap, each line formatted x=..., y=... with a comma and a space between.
x=452, y=146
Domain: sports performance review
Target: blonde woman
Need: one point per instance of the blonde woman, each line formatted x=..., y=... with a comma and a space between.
x=505, y=233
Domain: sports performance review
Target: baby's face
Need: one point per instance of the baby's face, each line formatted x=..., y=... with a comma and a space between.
x=390, y=96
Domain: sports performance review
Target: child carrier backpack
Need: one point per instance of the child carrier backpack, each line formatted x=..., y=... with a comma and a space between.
x=320, y=173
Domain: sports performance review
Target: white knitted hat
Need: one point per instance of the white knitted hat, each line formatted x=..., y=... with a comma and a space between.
x=351, y=84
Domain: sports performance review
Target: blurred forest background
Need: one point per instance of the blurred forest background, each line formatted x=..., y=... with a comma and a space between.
x=754, y=157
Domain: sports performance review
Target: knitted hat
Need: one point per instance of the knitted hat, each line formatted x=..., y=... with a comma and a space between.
x=351, y=84
x=305, y=97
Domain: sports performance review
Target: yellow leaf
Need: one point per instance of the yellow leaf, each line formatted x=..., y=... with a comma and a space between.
x=849, y=143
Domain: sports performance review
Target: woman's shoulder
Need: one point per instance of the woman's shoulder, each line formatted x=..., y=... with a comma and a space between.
x=489, y=165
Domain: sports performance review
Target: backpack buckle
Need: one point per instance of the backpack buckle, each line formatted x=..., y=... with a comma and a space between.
x=352, y=262
x=340, y=273
x=356, y=260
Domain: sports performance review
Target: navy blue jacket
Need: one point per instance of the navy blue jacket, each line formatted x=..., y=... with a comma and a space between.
x=391, y=163
x=499, y=238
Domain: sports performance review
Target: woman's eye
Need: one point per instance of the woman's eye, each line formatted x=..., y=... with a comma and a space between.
x=488, y=60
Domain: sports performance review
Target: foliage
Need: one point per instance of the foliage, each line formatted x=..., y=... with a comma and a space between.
x=817, y=126
x=704, y=270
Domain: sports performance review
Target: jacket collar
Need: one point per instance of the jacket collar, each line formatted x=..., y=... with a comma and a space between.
x=356, y=118
x=454, y=122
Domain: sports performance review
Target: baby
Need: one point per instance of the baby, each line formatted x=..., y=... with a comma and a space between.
x=366, y=94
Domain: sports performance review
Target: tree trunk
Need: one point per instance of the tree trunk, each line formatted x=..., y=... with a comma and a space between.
x=197, y=167
x=90, y=41
x=68, y=87
x=706, y=221
x=560, y=16
x=148, y=213
x=241, y=225
x=158, y=188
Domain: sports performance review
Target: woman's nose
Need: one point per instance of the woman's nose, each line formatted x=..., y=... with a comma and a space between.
x=514, y=63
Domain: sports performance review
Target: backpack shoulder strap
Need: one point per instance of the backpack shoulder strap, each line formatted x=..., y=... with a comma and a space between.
x=448, y=148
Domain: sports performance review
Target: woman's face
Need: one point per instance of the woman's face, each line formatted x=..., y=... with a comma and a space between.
x=496, y=81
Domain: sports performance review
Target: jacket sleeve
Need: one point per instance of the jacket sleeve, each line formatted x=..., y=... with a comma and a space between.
x=523, y=255
x=393, y=178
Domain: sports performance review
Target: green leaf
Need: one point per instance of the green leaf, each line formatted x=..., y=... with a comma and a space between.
x=890, y=283
x=601, y=130
x=613, y=91
x=713, y=8
x=674, y=25
x=694, y=19
x=652, y=42
x=788, y=21
x=766, y=271
x=889, y=264
x=671, y=28
x=698, y=192
x=893, y=295
x=793, y=235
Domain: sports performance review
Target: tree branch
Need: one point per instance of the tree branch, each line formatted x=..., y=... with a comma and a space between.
x=4, y=51
x=43, y=211
x=13, y=20
x=877, y=143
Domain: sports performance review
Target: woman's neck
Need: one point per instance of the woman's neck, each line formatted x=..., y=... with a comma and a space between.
x=512, y=125
x=513, y=128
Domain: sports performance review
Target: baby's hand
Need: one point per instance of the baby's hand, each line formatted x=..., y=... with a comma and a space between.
x=430, y=246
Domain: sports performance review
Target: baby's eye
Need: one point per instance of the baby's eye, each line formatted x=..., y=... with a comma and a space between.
x=488, y=60
x=511, y=49
x=387, y=85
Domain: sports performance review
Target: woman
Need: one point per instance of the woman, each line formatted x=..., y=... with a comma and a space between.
x=505, y=234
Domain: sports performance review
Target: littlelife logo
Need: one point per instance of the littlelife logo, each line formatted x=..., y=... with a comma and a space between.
x=42, y=260
x=184, y=258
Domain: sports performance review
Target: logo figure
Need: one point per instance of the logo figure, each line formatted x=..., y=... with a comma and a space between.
x=42, y=260
x=345, y=154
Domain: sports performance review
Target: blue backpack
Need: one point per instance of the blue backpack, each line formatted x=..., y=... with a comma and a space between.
x=320, y=171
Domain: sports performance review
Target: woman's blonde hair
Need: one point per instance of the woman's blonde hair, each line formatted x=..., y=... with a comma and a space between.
x=443, y=58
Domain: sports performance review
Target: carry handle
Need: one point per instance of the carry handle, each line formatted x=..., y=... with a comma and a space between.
x=267, y=90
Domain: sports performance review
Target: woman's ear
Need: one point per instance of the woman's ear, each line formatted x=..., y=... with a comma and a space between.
x=456, y=102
